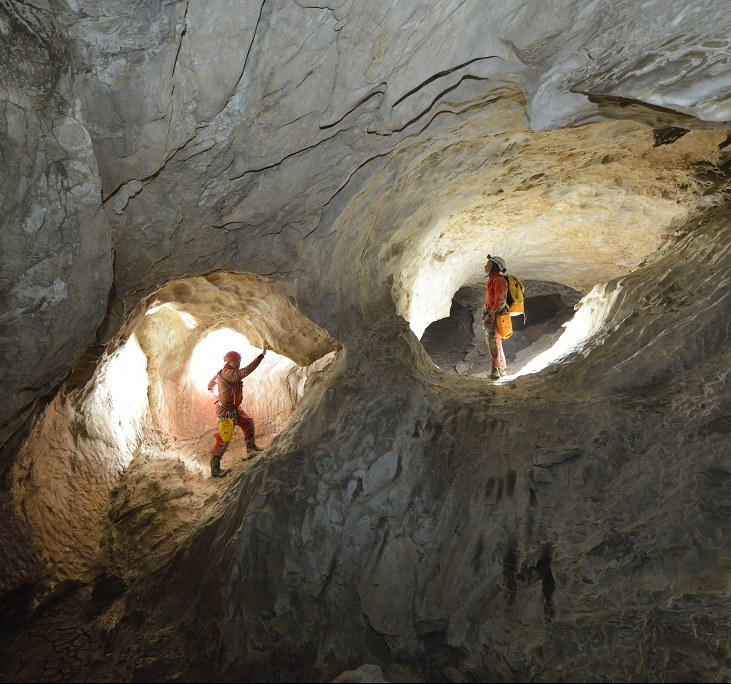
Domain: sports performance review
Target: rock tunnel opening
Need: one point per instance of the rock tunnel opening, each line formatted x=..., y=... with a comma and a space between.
x=140, y=427
x=457, y=344
x=184, y=331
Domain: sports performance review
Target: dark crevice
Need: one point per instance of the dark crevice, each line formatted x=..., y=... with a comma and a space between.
x=548, y=583
x=510, y=567
x=441, y=74
x=667, y=135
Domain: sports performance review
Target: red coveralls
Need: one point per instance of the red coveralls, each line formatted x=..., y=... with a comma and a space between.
x=230, y=392
x=496, y=293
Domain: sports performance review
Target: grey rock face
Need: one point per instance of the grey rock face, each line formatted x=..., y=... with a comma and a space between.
x=55, y=242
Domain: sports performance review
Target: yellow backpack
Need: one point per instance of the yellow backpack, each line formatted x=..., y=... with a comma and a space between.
x=516, y=296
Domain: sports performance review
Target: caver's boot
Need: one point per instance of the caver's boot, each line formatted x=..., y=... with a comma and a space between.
x=495, y=374
x=251, y=445
x=216, y=470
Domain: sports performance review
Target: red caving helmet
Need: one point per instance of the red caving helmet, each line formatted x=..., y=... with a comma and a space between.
x=233, y=359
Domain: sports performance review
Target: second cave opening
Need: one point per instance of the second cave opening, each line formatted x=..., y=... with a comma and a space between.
x=456, y=343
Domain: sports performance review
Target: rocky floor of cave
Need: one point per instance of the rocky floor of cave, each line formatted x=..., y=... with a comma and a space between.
x=62, y=635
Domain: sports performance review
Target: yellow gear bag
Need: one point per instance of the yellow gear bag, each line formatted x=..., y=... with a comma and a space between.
x=226, y=429
x=504, y=325
x=516, y=295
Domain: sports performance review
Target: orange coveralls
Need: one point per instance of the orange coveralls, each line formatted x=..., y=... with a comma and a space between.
x=230, y=394
x=496, y=293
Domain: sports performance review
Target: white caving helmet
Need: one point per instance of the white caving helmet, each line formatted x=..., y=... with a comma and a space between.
x=500, y=262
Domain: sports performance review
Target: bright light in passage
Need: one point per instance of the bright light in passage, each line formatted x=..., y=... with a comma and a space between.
x=118, y=402
x=207, y=357
x=587, y=321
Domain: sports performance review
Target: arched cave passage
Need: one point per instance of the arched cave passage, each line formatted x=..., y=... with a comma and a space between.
x=145, y=414
x=421, y=225
x=185, y=329
x=457, y=343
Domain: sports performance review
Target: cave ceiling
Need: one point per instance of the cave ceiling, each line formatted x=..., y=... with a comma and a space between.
x=422, y=150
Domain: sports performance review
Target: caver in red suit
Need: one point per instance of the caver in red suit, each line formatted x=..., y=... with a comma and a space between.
x=496, y=293
x=230, y=391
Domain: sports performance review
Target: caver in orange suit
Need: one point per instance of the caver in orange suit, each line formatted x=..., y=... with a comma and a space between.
x=496, y=293
x=230, y=390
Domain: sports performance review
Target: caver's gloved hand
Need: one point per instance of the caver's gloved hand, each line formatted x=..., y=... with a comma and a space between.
x=484, y=319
